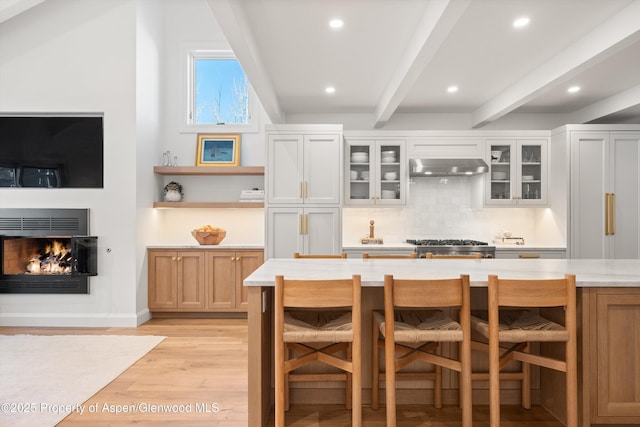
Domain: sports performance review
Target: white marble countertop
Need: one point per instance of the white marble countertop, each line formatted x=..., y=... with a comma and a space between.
x=403, y=245
x=221, y=246
x=589, y=272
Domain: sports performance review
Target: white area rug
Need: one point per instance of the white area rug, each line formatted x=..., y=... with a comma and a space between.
x=44, y=378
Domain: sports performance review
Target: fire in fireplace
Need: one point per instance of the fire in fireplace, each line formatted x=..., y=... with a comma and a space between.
x=45, y=251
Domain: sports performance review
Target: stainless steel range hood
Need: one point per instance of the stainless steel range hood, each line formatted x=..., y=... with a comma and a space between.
x=447, y=167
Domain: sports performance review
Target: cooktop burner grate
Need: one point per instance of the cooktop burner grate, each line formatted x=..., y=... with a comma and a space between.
x=446, y=242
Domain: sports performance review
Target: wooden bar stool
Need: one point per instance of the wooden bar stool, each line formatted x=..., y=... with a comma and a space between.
x=412, y=328
x=389, y=256
x=316, y=319
x=299, y=255
x=511, y=320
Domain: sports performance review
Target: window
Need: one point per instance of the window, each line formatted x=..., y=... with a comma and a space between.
x=218, y=97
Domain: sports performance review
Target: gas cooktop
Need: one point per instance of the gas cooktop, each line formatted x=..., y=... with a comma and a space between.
x=445, y=242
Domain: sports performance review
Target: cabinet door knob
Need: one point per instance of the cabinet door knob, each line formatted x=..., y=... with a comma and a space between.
x=179, y=258
x=237, y=258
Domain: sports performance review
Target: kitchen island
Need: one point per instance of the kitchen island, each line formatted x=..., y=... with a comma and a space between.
x=608, y=320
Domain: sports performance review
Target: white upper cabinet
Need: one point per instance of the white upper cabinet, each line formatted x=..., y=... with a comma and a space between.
x=375, y=172
x=303, y=168
x=517, y=172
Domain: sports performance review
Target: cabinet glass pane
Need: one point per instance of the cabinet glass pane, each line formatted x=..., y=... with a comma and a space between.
x=501, y=172
x=389, y=172
x=360, y=172
x=531, y=172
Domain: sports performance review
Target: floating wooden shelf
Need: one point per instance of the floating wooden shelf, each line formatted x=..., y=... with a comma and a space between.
x=209, y=170
x=209, y=205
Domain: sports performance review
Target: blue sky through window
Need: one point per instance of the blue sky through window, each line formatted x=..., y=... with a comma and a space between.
x=222, y=92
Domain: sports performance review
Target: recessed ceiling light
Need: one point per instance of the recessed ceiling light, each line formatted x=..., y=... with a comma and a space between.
x=573, y=89
x=521, y=22
x=336, y=23
x=452, y=89
x=330, y=89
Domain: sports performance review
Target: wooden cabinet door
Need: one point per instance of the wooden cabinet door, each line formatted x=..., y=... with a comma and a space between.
x=221, y=280
x=163, y=291
x=618, y=345
x=284, y=232
x=246, y=263
x=284, y=169
x=322, y=169
x=589, y=183
x=625, y=177
x=322, y=231
x=190, y=283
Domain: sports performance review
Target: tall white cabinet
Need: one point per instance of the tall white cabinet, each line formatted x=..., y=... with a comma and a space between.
x=303, y=190
x=604, y=197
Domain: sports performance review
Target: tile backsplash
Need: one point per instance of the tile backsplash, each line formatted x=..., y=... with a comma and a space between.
x=442, y=208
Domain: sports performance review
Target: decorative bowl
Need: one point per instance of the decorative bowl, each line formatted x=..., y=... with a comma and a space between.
x=390, y=176
x=209, y=237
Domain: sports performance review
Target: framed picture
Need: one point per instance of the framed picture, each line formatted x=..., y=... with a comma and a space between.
x=218, y=150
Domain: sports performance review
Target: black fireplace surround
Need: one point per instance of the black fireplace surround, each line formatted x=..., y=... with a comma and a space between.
x=46, y=251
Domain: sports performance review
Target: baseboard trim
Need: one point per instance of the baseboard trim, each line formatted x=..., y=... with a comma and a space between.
x=86, y=320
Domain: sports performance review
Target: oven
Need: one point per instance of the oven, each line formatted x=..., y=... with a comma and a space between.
x=452, y=247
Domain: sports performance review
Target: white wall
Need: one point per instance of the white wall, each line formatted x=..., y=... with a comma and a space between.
x=77, y=56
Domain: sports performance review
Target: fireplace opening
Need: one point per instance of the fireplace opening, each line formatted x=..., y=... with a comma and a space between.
x=45, y=253
x=32, y=255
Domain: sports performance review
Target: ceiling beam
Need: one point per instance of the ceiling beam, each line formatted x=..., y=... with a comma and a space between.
x=613, y=104
x=237, y=31
x=438, y=20
x=11, y=8
x=607, y=39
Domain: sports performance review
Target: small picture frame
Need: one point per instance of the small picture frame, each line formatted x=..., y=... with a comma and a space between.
x=218, y=150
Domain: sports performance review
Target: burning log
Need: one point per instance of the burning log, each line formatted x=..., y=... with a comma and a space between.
x=56, y=258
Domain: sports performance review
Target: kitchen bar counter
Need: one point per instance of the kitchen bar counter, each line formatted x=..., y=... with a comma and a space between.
x=609, y=327
x=589, y=273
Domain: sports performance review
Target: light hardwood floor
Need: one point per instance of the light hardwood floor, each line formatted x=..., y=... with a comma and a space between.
x=203, y=362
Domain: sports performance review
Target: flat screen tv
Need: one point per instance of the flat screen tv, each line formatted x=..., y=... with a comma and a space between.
x=52, y=151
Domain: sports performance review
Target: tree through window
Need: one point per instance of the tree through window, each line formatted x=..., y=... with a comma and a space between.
x=221, y=92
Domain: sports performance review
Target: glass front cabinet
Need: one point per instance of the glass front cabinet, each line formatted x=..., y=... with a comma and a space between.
x=517, y=172
x=375, y=172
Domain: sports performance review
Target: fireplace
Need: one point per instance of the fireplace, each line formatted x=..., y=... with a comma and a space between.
x=46, y=251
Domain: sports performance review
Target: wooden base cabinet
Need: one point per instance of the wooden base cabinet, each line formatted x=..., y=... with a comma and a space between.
x=200, y=280
x=610, y=348
x=176, y=280
x=225, y=272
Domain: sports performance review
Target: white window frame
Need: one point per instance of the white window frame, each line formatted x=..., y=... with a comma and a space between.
x=189, y=53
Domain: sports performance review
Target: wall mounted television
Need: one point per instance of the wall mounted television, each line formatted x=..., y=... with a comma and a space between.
x=52, y=151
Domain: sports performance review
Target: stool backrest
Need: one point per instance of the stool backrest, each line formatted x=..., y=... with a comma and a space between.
x=534, y=293
x=318, y=293
x=474, y=256
x=389, y=256
x=299, y=255
x=427, y=293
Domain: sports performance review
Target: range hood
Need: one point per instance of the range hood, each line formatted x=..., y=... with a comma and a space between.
x=447, y=167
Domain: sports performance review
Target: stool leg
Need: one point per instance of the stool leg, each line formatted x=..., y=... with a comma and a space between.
x=390, y=380
x=526, y=382
x=375, y=368
x=279, y=384
x=287, y=391
x=437, y=388
x=348, y=387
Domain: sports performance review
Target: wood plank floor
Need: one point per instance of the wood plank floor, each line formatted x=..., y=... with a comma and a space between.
x=200, y=370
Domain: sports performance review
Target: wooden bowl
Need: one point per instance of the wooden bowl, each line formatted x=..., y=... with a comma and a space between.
x=209, y=237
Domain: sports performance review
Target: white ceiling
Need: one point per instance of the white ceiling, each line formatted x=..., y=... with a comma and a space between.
x=399, y=56
x=395, y=56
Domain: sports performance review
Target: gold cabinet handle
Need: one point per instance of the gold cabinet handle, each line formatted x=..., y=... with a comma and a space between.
x=237, y=258
x=528, y=255
x=174, y=258
x=609, y=214
x=301, y=217
x=179, y=258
